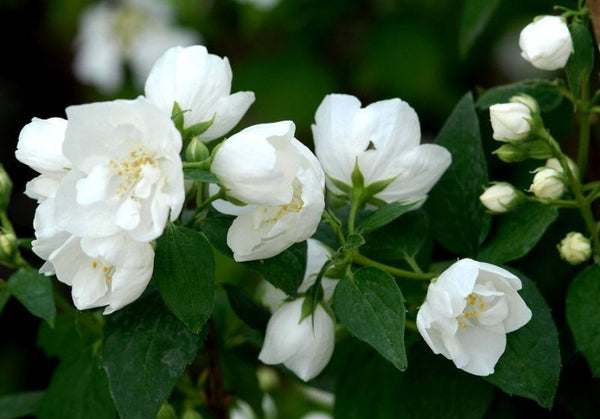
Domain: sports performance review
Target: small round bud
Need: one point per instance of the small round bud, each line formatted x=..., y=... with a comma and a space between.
x=510, y=121
x=526, y=100
x=191, y=414
x=546, y=43
x=548, y=183
x=575, y=248
x=8, y=247
x=5, y=189
x=196, y=151
x=553, y=163
x=533, y=149
x=500, y=197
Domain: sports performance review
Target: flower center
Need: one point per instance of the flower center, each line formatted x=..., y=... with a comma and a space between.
x=274, y=214
x=107, y=270
x=475, y=305
x=131, y=170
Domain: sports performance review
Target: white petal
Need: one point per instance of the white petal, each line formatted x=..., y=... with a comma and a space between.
x=43, y=186
x=418, y=171
x=128, y=215
x=40, y=145
x=285, y=334
x=484, y=347
x=317, y=349
x=229, y=110
x=94, y=186
x=458, y=282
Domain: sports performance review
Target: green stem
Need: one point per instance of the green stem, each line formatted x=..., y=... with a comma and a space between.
x=584, y=129
x=354, y=206
x=6, y=224
x=365, y=261
x=584, y=206
x=194, y=164
x=413, y=264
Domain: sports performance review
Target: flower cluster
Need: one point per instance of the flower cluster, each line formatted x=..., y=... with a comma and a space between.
x=111, y=177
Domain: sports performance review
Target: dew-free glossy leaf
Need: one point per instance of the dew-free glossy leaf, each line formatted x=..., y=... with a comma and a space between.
x=517, y=232
x=146, y=348
x=184, y=269
x=34, y=291
x=457, y=219
x=583, y=315
x=251, y=312
x=382, y=217
x=581, y=62
x=370, y=304
x=544, y=91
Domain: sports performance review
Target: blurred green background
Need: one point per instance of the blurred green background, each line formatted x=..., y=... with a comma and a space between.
x=291, y=56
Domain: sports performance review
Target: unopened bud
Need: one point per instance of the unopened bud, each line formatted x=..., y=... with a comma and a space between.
x=553, y=163
x=548, y=183
x=191, y=414
x=575, y=248
x=5, y=189
x=501, y=197
x=196, y=151
x=510, y=121
x=536, y=149
x=546, y=43
x=8, y=247
x=526, y=100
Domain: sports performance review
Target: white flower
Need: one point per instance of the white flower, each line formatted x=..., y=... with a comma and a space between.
x=546, y=43
x=262, y=5
x=316, y=256
x=509, y=121
x=467, y=313
x=384, y=137
x=306, y=346
x=136, y=32
x=575, y=248
x=126, y=171
x=548, y=183
x=500, y=197
x=200, y=83
x=281, y=182
x=40, y=147
x=111, y=271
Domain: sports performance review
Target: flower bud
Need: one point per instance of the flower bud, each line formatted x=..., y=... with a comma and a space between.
x=546, y=43
x=575, y=248
x=548, y=183
x=8, y=247
x=526, y=100
x=510, y=121
x=535, y=149
x=5, y=189
x=500, y=197
x=553, y=163
x=196, y=151
x=304, y=345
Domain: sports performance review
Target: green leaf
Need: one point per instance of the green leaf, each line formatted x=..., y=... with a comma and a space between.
x=545, y=92
x=476, y=15
x=404, y=236
x=252, y=313
x=581, y=62
x=383, y=216
x=65, y=340
x=530, y=365
x=34, y=291
x=199, y=175
x=197, y=129
x=583, y=315
x=145, y=351
x=4, y=296
x=215, y=227
x=177, y=116
x=286, y=270
x=431, y=387
x=18, y=405
x=184, y=269
x=458, y=220
x=370, y=304
x=517, y=232
x=78, y=390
